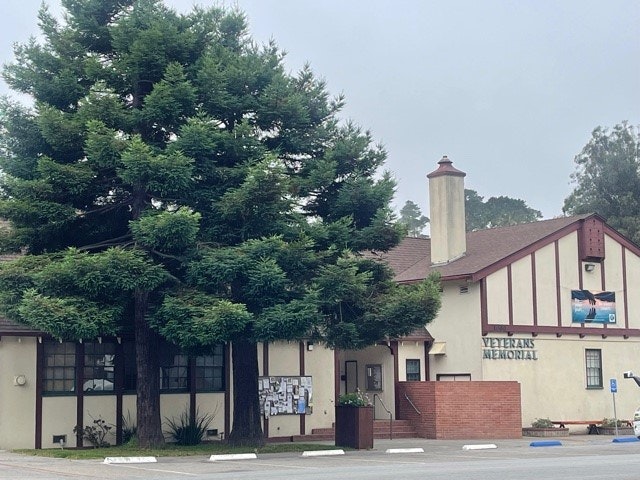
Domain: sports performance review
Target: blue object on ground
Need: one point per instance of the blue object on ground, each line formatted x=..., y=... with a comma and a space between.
x=625, y=439
x=545, y=443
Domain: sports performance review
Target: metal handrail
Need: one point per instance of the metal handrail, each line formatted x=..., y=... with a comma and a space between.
x=411, y=403
x=375, y=395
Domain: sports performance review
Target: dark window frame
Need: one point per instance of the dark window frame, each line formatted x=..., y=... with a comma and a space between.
x=413, y=362
x=593, y=368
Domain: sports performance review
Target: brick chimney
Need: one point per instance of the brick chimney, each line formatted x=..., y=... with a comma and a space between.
x=447, y=217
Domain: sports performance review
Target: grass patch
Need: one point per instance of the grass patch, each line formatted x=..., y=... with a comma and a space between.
x=170, y=450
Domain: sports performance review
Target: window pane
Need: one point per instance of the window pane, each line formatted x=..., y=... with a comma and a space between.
x=209, y=370
x=593, y=362
x=59, y=372
x=413, y=370
x=99, y=367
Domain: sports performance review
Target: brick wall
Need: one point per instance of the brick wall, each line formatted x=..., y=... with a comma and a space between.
x=462, y=410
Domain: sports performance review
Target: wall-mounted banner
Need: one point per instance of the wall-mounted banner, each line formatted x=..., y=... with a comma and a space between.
x=285, y=395
x=593, y=307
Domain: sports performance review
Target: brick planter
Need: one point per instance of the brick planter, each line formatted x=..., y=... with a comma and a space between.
x=545, y=432
x=354, y=427
x=612, y=430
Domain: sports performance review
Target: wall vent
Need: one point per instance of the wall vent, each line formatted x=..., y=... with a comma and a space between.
x=464, y=289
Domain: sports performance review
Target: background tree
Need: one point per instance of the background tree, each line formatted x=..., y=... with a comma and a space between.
x=173, y=180
x=496, y=211
x=412, y=219
x=607, y=179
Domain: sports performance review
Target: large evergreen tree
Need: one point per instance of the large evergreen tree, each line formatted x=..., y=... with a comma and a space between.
x=412, y=219
x=172, y=179
x=607, y=178
x=496, y=211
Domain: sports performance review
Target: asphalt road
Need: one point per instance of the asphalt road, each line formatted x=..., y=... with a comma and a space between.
x=579, y=457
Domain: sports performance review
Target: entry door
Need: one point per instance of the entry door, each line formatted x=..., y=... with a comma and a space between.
x=351, y=377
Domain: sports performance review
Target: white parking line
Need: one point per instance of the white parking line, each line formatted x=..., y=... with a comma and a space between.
x=152, y=469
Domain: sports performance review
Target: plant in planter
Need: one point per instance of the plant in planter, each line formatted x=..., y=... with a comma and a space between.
x=542, y=423
x=608, y=427
x=354, y=421
x=543, y=427
x=355, y=399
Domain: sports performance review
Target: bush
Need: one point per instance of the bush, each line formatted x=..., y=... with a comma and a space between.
x=356, y=399
x=95, y=433
x=187, y=429
x=611, y=422
x=129, y=430
x=542, y=423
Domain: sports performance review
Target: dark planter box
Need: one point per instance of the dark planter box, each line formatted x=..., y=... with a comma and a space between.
x=354, y=427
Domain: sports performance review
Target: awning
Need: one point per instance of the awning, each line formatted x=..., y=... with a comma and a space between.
x=438, y=348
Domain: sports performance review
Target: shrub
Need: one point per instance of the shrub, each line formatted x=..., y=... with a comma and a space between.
x=355, y=399
x=611, y=422
x=96, y=433
x=188, y=429
x=542, y=423
x=129, y=429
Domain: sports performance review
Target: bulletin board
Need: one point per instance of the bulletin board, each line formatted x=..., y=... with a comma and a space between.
x=285, y=395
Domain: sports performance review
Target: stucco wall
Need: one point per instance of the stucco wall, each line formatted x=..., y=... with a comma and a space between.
x=459, y=325
x=554, y=385
x=413, y=351
x=284, y=360
x=17, y=403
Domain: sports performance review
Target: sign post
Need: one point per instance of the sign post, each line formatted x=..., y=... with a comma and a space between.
x=613, y=385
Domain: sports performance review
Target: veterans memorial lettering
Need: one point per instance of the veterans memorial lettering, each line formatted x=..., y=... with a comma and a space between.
x=499, y=348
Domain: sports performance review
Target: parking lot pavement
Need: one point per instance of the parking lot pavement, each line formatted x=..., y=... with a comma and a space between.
x=435, y=452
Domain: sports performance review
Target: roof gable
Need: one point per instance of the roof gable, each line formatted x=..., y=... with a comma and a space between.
x=487, y=250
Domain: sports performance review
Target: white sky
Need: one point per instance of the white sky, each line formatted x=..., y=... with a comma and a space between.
x=509, y=90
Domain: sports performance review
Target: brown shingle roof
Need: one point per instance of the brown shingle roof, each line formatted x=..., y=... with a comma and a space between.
x=411, y=259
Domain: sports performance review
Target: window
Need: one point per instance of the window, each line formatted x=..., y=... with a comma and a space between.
x=593, y=361
x=374, y=377
x=59, y=367
x=174, y=368
x=413, y=370
x=209, y=370
x=99, y=365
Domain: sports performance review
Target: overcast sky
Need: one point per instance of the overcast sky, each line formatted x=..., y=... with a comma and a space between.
x=509, y=90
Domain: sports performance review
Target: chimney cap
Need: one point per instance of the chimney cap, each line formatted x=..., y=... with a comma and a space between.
x=446, y=168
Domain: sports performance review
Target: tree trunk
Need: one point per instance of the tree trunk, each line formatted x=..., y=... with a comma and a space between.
x=148, y=377
x=247, y=429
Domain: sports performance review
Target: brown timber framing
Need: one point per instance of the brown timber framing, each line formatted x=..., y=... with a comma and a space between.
x=265, y=373
x=303, y=419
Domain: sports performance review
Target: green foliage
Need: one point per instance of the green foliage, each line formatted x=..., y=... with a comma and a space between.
x=129, y=430
x=607, y=179
x=542, y=423
x=189, y=429
x=173, y=175
x=412, y=219
x=496, y=211
x=96, y=433
x=354, y=399
x=612, y=422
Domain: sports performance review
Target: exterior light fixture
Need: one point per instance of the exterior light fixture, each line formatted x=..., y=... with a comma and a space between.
x=589, y=267
x=310, y=345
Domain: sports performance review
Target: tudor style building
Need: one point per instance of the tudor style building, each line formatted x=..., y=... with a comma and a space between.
x=535, y=320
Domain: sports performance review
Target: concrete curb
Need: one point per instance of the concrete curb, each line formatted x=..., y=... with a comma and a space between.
x=120, y=460
x=404, y=450
x=233, y=456
x=546, y=443
x=321, y=453
x=480, y=447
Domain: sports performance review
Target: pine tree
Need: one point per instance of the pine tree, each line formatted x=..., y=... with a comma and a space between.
x=172, y=179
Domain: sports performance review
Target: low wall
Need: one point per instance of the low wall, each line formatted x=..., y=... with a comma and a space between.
x=462, y=410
